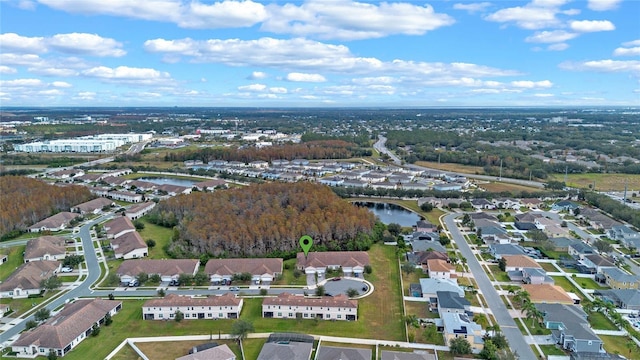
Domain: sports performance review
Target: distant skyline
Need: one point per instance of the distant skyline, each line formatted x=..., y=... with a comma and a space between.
x=319, y=53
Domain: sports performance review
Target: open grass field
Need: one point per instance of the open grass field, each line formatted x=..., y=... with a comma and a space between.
x=175, y=349
x=127, y=353
x=618, y=344
x=501, y=187
x=587, y=283
x=15, y=259
x=288, y=277
x=419, y=309
x=603, y=182
x=550, y=350
x=467, y=169
x=160, y=234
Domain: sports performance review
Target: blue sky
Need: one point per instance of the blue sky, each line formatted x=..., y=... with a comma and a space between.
x=319, y=53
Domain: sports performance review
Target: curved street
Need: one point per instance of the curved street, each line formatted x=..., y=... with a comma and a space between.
x=517, y=341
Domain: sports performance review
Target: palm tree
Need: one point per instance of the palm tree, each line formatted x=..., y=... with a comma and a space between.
x=522, y=296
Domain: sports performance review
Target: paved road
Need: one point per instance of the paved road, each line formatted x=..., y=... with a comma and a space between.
x=508, y=326
x=380, y=146
x=93, y=268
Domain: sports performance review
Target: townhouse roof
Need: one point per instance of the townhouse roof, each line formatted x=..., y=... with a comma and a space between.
x=481, y=202
x=140, y=207
x=521, y=261
x=439, y=265
x=254, y=266
x=142, y=184
x=124, y=193
x=342, y=353
x=330, y=258
x=38, y=247
x=115, y=180
x=118, y=225
x=92, y=205
x=170, y=300
x=528, y=217
x=170, y=188
x=286, y=351
x=482, y=215
x=399, y=355
x=220, y=352
x=289, y=299
x=572, y=317
x=128, y=242
x=451, y=300
x=157, y=266
x=532, y=201
x=547, y=293
x=29, y=275
x=210, y=183
x=64, y=327
x=619, y=276
x=55, y=221
x=424, y=224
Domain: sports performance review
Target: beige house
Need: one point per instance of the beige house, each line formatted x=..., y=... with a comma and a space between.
x=92, y=206
x=262, y=270
x=168, y=269
x=352, y=263
x=440, y=269
x=56, y=222
x=118, y=226
x=140, y=210
x=26, y=279
x=129, y=246
x=289, y=306
x=226, y=306
x=45, y=248
x=65, y=330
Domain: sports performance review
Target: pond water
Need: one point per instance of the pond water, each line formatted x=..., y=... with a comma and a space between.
x=391, y=213
x=170, y=181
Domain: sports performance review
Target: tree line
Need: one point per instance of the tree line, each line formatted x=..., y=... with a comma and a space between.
x=323, y=149
x=263, y=220
x=25, y=201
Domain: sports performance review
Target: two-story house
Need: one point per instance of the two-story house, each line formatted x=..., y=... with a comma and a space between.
x=226, y=306
x=570, y=328
x=289, y=306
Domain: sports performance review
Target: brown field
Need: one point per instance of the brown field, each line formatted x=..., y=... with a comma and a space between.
x=603, y=182
x=500, y=186
x=467, y=169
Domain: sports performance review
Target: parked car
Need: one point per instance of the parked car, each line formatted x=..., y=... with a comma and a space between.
x=66, y=269
x=234, y=288
x=134, y=283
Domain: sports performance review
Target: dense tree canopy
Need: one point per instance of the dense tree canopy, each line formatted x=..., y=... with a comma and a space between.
x=25, y=201
x=262, y=220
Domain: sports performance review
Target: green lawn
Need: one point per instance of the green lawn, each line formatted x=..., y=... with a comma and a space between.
x=252, y=348
x=412, y=278
x=613, y=344
x=15, y=259
x=160, y=234
x=288, y=277
x=548, y=267
x=126, y=353
x=567, y=285
x=587, y=283
x=20, y=306
x=175, y=349
x=534, y=329
x=599, y=321
x=550, y=350
x=419, y=309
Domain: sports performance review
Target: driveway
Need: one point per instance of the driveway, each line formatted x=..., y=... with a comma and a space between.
x=508, y=326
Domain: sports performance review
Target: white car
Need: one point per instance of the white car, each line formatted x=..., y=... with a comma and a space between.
x=66, y=269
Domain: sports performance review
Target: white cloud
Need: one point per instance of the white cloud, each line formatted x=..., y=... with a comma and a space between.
x=603, y=5
x=278, y=90
x=543, y=95
x=634, y=51
x=472, y=7
x=20, y=83
x=308, y=56
x=131, y=75
x=85, y=95
x=7, y=70
x=632, y=43
x=535, y=15
x=632, y=66
x=50, y=92
x=592, y=25
x=558, y=47
x=225, y=14
x=257, y=75
x=350, y=20
x=550, y=36
x=300, y=77
x=61, y=84
x=73, y=43
x=253, y=87
x=532, y=84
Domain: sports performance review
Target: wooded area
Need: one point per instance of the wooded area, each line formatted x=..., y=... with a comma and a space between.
x=25, y=201
x=263, y=220
x=324, y=149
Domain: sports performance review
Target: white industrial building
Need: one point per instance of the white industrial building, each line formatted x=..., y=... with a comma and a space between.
x=86, y=144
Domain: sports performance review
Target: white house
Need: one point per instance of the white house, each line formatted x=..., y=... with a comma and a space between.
x=262, y=270
x=66, y=329
x=168, y=269
x=126, y=196
x=56, y=222
x=118, y=226
x=352, y=263
x=129, y=246
x=226, y=306
x=289, y=306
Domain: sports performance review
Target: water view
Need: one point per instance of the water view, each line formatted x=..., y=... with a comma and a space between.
x=391, y=213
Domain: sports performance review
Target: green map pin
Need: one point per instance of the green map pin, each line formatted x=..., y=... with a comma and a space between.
x=306, y=242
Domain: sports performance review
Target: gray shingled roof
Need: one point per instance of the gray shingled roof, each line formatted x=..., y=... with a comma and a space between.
x=342, y=353
x=288, y=351
x=38, y=247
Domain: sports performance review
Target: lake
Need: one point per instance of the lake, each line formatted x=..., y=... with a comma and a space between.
x=391, y=213
x=170, y=181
